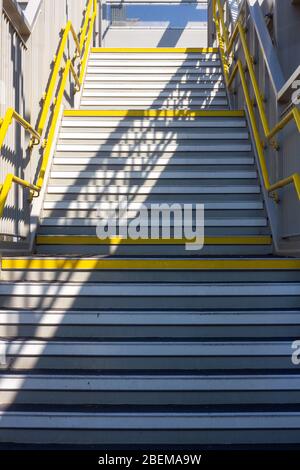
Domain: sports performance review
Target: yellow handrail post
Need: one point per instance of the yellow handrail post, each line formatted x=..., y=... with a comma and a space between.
x=293, y=179
x=83, y=33
x=223, y=25
x=51, y=134
x=222, y=53
x=86, y=52
x=255, y=85
x=6, y=187
x=57, y=65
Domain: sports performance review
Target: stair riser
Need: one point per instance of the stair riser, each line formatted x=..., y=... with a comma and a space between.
x=154, y=398
x=152, y=156
x=149, y=71
x=94, y=214
x=130, y=180
x=49, y=228
x=137, y=438
x=153, y=55
x=171, y=276
x=164, y=78
x=152, y=198
x=133, y=124
x=158, y=95
x=168, y=363
x=153, y=62
x=152, y=137
x=210, y=190
x=166, y=303
x=215, y=105
x=133, y=331
x=164, y=250
x=89, y=166
x=159, y=86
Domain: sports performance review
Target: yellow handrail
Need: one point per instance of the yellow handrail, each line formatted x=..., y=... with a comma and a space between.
x=5, y=123
x=226, y=46
x=81, y=44
x=6, y=187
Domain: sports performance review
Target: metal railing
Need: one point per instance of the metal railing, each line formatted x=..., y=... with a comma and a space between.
x=82, y=46
x=10, y=116
x=226, y=46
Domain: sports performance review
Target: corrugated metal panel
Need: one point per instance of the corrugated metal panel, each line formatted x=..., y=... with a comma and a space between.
x=25, y=68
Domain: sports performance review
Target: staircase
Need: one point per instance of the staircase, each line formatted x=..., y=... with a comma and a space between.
x=154, y=80
x=141, y=342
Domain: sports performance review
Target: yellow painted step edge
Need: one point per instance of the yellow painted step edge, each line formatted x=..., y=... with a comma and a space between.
x=86, y=240
x=86, y=264
x=155, y=49
x=152, y=113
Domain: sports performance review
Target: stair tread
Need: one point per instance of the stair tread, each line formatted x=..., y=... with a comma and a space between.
x=151, y=421
x=149, y=382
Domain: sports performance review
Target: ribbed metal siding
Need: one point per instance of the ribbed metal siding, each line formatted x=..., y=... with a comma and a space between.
x=24, y=73
x=13, y=154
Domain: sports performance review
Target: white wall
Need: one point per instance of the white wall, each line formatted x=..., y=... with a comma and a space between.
x=154, y=37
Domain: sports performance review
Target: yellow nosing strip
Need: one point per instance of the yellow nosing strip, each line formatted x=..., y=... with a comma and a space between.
x=85, y=240
x=152, y=113
x=187, y=50
x=86, y=264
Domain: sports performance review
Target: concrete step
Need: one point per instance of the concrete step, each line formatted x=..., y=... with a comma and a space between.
x=158, y=54
x=156, y=324
x=214, y=104
x=155, y=62
x=149, y=355
x=164, y=78
x=109, y=104
x=30, y=389
x=74, y=269
x=155, y=296
x=134, y=207
x=204, y=85
x=149, y=250
x=154, y=136
x=156, y=198
x=159, y=94
x=179, y=125
x=159, y=190
x=209, y=146
x=143, y=428
x=221, y=228
x=148, y=70
x=103, y=175
x=210, y=222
